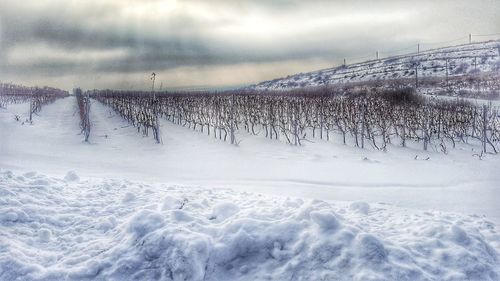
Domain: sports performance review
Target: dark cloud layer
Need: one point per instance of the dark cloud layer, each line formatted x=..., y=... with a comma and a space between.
x=215, y=43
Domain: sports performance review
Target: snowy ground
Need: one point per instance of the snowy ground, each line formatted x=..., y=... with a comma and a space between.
x=58, y=229
x=105, y=228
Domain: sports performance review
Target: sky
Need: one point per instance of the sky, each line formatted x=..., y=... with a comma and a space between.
x=196, y=44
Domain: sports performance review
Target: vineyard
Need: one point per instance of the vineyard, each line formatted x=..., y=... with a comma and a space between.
x=373, y=103
x=37, y=97
x=362, y=118
x=359, y=116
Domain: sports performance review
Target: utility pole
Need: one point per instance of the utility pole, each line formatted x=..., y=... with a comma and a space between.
x=446, y=72
x=470, y=38
x=418, y=48
x=377, y=54
x=344, y=62
x=416, y=76
x=476, y=73
x=153, y=78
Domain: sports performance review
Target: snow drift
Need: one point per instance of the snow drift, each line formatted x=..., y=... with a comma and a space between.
x=73, y=229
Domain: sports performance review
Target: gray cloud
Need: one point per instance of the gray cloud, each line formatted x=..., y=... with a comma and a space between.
x=91, y=40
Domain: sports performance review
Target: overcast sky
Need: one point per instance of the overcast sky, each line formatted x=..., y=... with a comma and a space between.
x=216, y=43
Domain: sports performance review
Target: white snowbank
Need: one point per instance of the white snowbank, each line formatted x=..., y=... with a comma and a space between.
x=44, y=234
x=72, y=176
x=359, y=206
x=120, y=230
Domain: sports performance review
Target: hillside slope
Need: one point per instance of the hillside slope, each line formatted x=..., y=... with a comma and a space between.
x=452, y=62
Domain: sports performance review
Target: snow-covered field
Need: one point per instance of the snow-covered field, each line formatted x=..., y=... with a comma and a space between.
x=197, y=208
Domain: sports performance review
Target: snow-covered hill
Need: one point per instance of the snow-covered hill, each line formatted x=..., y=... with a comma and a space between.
x=453, y=61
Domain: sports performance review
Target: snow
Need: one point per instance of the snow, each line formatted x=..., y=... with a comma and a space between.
x=129, y=196
x=44, y=234
x=318, y=169
x=223, y=211
x=78, y=230
x=327, y=221
x=124, y=208
x=144, y=222
x=463, y=59
x=72, y=176
x=359, y=206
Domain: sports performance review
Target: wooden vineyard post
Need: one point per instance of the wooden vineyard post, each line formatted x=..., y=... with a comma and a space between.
x=87, y=117
x=32, y=105
x=363, y=120
x=83, y=101
x=31, y=109
x=321, y=116
x=232, y=120
x=485, y=127
x=156, y=121
x=294, y=124
x=425, y=128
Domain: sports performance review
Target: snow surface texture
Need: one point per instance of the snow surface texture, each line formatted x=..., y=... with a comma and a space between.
x=457, y=182
x=463, y=59
x=74, y=225
x=69, y=229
